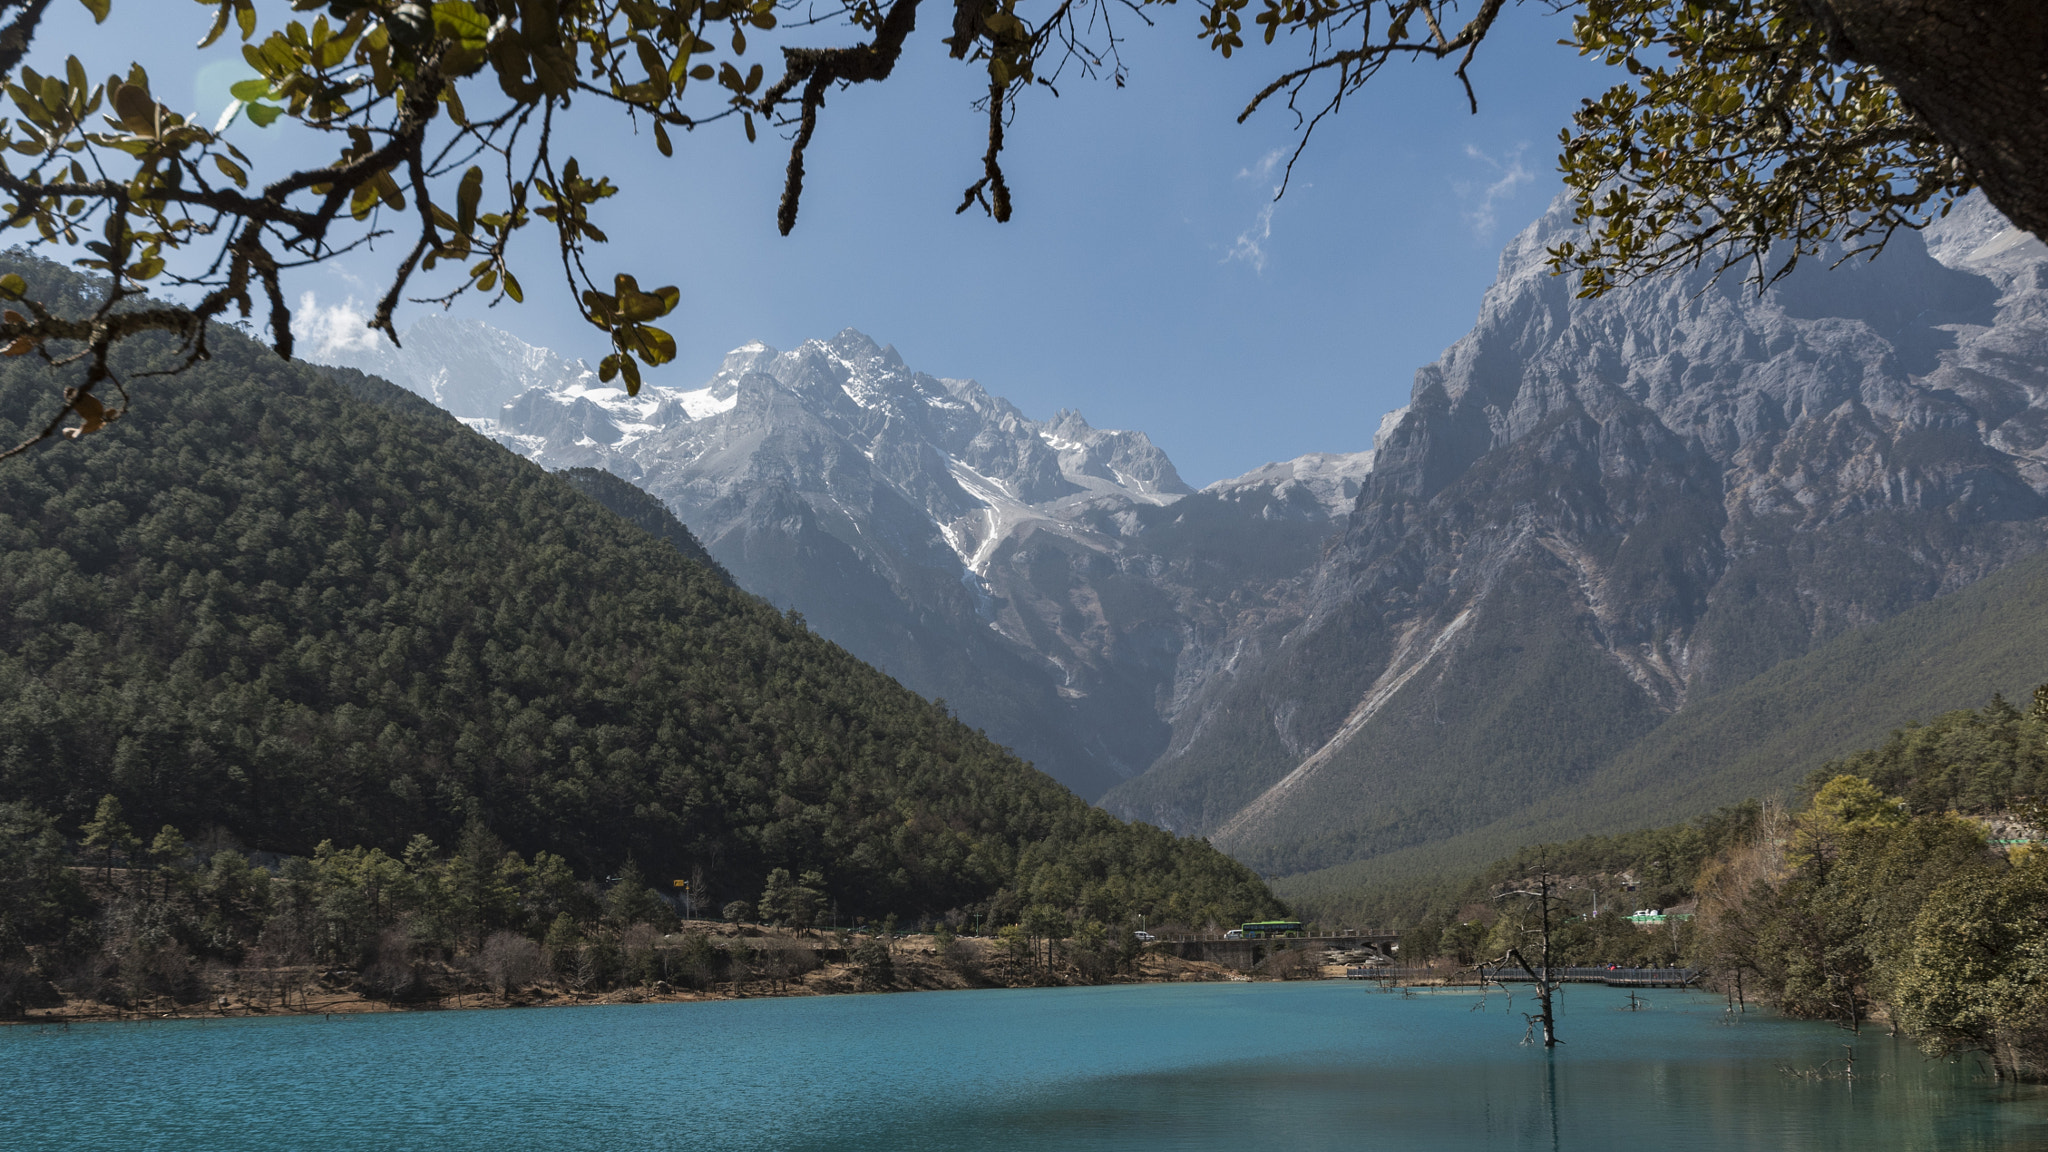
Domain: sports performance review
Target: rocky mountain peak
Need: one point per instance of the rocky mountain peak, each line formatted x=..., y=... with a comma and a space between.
x=1059, y=584
x=742, y=360
x=1593, y=513
x=465, y=366
x=1332, y=479
x=1069, y=424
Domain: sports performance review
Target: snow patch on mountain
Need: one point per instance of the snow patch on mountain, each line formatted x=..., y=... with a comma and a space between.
x=1333, y=478
x=1053, y=580
x=975, y=467
x=705, y=403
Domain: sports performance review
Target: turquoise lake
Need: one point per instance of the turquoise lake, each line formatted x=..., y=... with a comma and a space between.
x=1240, y=1067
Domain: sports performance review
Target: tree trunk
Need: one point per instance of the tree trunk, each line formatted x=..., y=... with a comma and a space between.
x=1544, y=987
x=1977, y=72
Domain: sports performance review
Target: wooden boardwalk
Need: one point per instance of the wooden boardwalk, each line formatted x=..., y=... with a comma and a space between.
x=1613, y=977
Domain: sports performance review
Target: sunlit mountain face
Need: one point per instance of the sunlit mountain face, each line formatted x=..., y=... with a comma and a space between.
x=1057, y=584
x=1596, y=513
x=1591, y=514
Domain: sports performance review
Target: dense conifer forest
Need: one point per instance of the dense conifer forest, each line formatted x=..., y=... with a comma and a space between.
x=285, y=611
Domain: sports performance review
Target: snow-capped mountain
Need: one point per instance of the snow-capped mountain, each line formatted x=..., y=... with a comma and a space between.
x=465, y=366
x=970, y=463
x=1056, y=583
x=1591, y=514
x=1594, y=513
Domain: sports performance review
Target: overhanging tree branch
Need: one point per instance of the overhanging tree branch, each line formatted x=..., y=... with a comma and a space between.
x=817, y=69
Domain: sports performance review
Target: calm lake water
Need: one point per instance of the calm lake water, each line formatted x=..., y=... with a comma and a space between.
x=1216, y=1066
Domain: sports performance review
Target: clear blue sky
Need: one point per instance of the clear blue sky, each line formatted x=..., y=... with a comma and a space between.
x=1147, y=278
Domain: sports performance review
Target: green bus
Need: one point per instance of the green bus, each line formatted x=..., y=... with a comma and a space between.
x=1271, y=929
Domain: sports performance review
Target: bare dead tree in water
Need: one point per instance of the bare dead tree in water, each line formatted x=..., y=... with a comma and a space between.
x=1545, y=891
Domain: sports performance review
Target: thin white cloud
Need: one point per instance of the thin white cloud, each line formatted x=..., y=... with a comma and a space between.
x=1484, y=201
x=1263, y=170
x=334, y=331
x=1250, y=246
x=1251, y=243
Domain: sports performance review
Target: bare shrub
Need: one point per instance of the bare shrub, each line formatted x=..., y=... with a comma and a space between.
x=742, y=961
x=596, y=966
x=783, y=960
x=638, y=963
x=689, y=960
x=143, y=938
x=95, y=975
x=286, y=938
x=1735, y=891
x=1094, y=965
x=163, y=970
x=1292, y=964
x=392, y=974
x=959, y=955
x=511, y=961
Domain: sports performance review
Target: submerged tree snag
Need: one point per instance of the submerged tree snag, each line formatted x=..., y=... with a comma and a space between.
x=1541, y=892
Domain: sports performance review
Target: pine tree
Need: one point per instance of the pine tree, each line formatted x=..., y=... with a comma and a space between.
x=165, y=852
x=478, y=893
x=108, y=833
x=563, y=942
x=803, y=901
x=632, y=902
x=775, y=896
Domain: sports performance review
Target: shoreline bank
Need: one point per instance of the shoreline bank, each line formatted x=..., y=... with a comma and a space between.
x=307, y=990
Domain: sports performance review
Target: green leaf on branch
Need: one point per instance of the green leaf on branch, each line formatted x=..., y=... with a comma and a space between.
x=232, y=171
x=466, y=195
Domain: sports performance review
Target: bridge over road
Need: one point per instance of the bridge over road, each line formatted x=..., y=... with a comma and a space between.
x=1246, y=954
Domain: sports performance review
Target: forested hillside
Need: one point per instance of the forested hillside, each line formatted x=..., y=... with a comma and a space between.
x=1907, y=881
x=268, y=612
x=636, y=507
x=1988, y=763
x=1761, y=739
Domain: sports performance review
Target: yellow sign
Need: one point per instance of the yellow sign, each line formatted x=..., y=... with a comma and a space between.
x=682, y=883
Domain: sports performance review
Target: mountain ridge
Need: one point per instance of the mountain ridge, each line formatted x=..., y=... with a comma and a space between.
x=1757, y=740
x=292, y=607
x=1595, y=512
x=1591, y=516
x=1053, y=582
